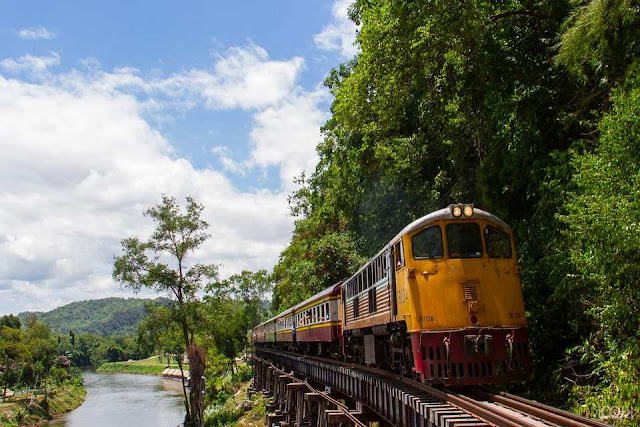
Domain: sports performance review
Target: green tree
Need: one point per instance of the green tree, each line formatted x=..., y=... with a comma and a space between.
x=482, y=102
x=225, y=323
x=142, y=265
x=604, y=229
x=600, y=40
x=161, y=331
x=10, y=321
x=43, y=349
x=13, y=352
x=250, y=289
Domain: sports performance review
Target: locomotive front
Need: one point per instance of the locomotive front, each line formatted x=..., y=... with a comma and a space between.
x=459, y=292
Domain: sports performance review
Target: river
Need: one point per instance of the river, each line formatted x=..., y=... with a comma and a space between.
x=126, y=400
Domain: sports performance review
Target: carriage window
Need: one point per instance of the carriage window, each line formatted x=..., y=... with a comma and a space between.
x=498, y=242
x=356, y=307
x=463, y=240
x=427, y=243
x=327, y=310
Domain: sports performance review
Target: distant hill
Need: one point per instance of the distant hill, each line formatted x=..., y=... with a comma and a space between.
x=107, y=316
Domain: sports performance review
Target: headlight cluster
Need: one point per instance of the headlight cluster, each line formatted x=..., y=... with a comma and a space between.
x=458, y=210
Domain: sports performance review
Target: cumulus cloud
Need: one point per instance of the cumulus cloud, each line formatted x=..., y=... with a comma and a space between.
x=34, y=33
x=241, y=77
x=81, y=162
x=35, y=65
x=223, y=154
x=339, y=35
x=286, y=134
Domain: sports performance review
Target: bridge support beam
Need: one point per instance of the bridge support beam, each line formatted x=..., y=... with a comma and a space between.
x=368, y=397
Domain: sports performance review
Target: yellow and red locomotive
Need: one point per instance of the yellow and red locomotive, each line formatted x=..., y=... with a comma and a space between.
x=441, y=302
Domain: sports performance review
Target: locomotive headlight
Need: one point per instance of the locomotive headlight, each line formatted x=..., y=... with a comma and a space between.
x=468, y=211
x=456, y=211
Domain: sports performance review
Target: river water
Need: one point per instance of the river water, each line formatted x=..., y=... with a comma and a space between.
x=127, y=400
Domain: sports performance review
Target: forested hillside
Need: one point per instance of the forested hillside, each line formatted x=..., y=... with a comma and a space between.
x=107, y=316
x=530, y=110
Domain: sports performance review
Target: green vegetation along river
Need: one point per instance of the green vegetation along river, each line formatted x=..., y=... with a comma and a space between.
x=126, y=400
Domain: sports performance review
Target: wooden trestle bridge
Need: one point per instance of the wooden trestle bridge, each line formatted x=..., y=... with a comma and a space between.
x=312, y=391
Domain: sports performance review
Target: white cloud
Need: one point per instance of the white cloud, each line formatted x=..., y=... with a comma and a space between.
x=35, y=33
x=339, y=35
x=286, y=134
x=35, y=65
x=241, y=77
x=81, y=163
x=223, y=154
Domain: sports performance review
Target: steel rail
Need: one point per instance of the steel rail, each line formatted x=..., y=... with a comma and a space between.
x=536, y=409
x=342, y=407
x=477, y=409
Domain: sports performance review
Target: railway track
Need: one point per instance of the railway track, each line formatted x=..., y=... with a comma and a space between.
x=496, y=409
x=535, y=410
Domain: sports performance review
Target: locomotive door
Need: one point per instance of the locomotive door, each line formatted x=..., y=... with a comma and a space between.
x=391, y=275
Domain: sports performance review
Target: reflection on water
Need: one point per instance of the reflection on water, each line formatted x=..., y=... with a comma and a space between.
x=127, y=400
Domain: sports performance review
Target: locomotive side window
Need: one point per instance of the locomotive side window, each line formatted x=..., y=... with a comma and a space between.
x=463, y=240
x=498, y=242
x=427, y=243
x=373, y=306
x=399, y=255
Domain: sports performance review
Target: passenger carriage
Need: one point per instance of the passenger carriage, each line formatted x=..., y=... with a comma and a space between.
x=317, y=322
x=285, y=328
x=270, y=332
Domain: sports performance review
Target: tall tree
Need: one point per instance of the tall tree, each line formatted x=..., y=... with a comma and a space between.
x=13, y=352
x=603, y=222
x=234, y=307
x=162, y=263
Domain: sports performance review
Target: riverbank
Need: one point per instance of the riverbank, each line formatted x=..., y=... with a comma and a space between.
x=228, y=402
x=18, y=413
x=149, y=366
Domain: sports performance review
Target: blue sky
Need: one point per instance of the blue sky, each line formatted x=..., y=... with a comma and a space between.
x=106, y=105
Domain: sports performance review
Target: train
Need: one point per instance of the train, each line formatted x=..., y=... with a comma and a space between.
x=441, y=303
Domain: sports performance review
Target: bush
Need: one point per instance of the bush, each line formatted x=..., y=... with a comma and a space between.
x=58, y=375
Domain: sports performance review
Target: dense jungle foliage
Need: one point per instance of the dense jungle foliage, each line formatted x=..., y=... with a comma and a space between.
x=528, y=109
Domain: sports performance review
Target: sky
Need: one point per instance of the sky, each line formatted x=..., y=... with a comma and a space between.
x=105, y=106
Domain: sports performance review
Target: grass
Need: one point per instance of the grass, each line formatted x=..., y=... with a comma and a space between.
x=149, y=366
x=17, y=412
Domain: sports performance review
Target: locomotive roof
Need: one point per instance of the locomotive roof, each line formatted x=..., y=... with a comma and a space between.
x=446, y=213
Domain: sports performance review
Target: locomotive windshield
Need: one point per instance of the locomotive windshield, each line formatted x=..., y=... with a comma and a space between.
x=498, y=242
x=464, y=241
x=427, y=243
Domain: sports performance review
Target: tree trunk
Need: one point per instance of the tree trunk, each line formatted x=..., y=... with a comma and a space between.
x=197, y=364
x=184, y=391
x=185, y=332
